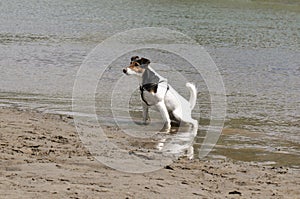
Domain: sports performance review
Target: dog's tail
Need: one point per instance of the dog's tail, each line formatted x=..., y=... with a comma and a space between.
x=193, y=94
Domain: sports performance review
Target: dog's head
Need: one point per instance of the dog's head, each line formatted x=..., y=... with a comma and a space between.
x=137, y=66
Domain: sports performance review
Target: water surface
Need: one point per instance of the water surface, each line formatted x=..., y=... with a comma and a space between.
x=255, y=45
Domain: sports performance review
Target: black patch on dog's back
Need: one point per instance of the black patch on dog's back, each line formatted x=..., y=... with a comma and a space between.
x=150, y=87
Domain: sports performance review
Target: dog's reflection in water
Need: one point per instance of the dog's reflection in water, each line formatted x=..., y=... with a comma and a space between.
x=179, y=143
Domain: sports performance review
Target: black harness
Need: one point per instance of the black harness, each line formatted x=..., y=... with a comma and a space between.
x=150, y=87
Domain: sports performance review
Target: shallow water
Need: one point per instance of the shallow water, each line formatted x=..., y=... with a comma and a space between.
x=255, y=45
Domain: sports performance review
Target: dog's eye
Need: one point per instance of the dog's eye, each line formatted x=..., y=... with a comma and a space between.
x=136, y=64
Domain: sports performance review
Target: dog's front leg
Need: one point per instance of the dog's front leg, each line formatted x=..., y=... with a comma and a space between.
x=146, y=117
x=165, y=115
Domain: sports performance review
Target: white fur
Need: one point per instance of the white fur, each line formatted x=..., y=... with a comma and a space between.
x=168, y=101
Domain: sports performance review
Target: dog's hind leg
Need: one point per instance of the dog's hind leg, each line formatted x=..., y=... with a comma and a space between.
x=165, y=115
x=178, y=115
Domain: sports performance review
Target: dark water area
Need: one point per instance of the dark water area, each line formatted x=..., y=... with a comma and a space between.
x=255, y=45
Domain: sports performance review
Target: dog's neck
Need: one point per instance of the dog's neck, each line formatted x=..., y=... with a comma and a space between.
x=149, y=77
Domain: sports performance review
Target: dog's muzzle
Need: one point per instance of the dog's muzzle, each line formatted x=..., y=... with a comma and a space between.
x=124, y=70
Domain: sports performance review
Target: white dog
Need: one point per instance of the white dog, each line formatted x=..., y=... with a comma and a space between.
x=155, y=91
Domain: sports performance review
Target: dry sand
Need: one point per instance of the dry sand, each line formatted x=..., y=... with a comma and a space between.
x=42, y=157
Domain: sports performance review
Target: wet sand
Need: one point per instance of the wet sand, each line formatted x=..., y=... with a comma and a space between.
x=42, y=157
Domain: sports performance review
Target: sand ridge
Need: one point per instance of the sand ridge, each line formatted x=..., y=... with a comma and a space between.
x=41, y=156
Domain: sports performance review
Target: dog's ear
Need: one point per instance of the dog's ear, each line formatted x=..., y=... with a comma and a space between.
x=134, y=58
x=145, y=61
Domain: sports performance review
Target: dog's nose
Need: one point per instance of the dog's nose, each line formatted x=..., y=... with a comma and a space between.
x=124, y=70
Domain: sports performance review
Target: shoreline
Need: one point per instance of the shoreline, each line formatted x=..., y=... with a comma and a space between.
x=42, y=156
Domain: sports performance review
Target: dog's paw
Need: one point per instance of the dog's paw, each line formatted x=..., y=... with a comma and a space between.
x=146, y=122
x=190, y=153
x=166, y=128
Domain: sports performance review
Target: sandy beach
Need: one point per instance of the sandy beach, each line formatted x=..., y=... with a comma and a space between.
x=42, y=157
x=65, y=102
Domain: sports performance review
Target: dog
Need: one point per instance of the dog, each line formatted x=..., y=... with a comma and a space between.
x=155, y=91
